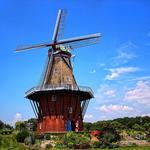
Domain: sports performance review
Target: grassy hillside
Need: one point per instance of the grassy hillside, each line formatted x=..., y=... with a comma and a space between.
x=119, y=134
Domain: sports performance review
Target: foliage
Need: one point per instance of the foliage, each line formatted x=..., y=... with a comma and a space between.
x=6, y=131
x=137, y=123
x=49, y=146
x=74, y=140
x=22, y=135
x=87, y=126
x=96, y=144
x=47, y=136
x=31, y=124
x=8, y=142
x=60, y=145
x=109, y=134
x=1, y=125
x=20, y=125
x=30, y=140
x=139, y=135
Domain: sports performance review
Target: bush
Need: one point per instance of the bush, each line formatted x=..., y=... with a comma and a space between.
x=6, y=131
x=60, y=145
x=109, y=137
x=8, y=142
x=148, y=139
x=30, y=140
x=97, y=144
x=76, y=140
x=40, y=136
x=22, y=135
x=115, y=145
x=47, y=136
x=49, y=146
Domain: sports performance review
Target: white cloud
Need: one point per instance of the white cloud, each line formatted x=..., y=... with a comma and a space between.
x=115, y=108
x=88, y=116
x=104, y=92
x=140, y=78
x=18, y=117
x=93, y=71
x=140, y=94
x=124, y=53
x=148, y=114
x=110, y=93
x=100, y=65
x=116, y=72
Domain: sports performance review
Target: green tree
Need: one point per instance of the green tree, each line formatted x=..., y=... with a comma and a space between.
x=1, y=125
x=147, y=126
x=87, y=126
x=31, y=124
x=22, y=135
x=138, y=127
x=20, y=125
x=117, y=125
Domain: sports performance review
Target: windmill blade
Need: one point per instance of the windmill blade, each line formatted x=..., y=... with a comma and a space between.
x=29, y=47
x=81, y=41
x=59, y=26
x=62, y=25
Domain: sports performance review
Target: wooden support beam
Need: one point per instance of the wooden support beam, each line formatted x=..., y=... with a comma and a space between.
x=36, y=109
x=40, y=113
x=35, y=113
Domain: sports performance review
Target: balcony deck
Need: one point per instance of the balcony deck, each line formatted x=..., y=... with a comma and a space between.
x=84, y=91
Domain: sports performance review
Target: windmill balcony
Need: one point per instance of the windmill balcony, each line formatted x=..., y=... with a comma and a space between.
x=84, y=91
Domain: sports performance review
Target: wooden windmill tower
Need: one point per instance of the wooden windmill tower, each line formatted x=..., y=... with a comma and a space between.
x=58, y=102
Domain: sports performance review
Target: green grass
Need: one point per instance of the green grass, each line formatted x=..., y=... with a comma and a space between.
x=128, y=148
x=8, y=142
x=133, y=148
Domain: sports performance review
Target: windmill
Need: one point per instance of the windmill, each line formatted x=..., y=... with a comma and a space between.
x=58, y=102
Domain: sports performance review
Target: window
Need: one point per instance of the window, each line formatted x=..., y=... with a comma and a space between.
x=70, y=110
x=53, y=98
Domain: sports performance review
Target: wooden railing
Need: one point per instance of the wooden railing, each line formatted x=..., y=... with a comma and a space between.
x=58, y=87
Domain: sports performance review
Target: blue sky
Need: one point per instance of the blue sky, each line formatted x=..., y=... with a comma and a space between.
x=117, y=69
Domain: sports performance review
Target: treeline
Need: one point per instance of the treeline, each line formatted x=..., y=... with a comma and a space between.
x=126, y=123
x=5, y=128
x=3, y=125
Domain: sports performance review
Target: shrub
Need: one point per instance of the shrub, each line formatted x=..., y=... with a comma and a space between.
x=22, y=135
x=40, y=136
x=19, y=125
x=109, y=137
x=115, y=145
x=47, y=136
x=76, y=140
x=49, y=146
x=29, y=140
x=60, y=145
x=6, y=131
x=97, y=144
x=148, y=139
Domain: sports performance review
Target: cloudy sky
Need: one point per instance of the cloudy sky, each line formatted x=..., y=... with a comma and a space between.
x=117, y=69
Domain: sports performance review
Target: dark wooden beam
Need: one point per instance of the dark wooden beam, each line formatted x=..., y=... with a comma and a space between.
x=35, y=113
